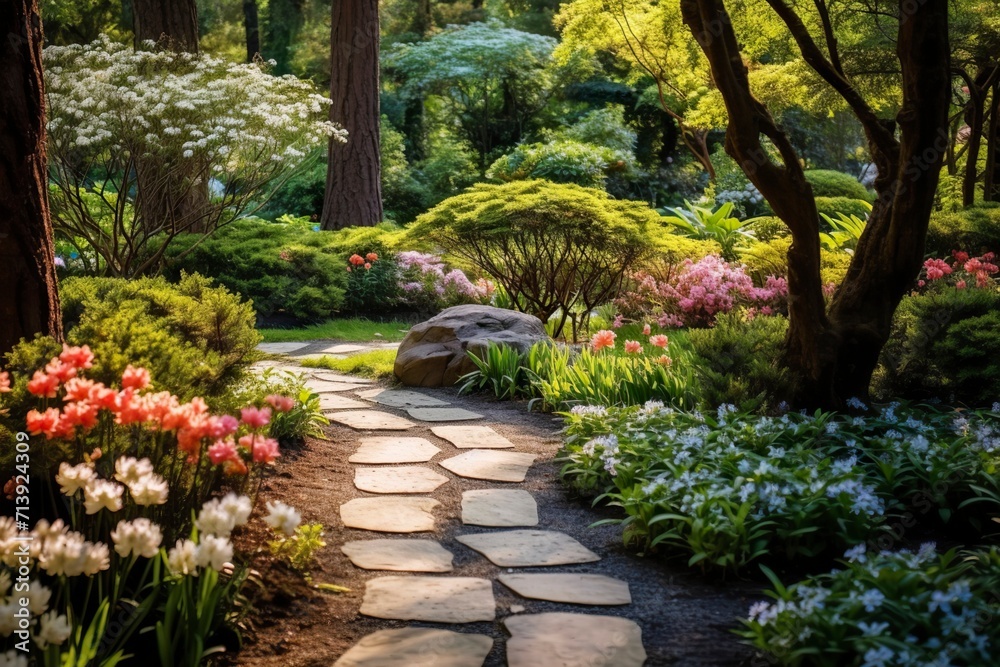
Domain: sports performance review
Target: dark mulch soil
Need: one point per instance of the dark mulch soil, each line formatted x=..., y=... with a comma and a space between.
x=686, y=618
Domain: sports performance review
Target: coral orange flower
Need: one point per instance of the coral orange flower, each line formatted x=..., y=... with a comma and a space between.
x=222, y=451
x=77, y=357
x=4, y=382
x=356, y=260
x=602, y=339
x=255, y=418
x=368, y=266
x=371, y=257
x=646, y=330
x=281, y=403
x=135, y=378
x=664, y=360
x=659, y=340
x=43, y=385
x=41, y=422
x=265, y=450
x=633, y=347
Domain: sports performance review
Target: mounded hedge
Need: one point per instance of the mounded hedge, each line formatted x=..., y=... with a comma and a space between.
x=975, y=230
x=830, y=183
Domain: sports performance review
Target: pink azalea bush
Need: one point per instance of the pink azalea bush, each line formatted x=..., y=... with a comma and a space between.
x=426, y=282
x=700, y=291
x=961, y=271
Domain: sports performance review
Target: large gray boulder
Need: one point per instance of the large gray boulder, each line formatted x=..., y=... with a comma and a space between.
x=433, y=354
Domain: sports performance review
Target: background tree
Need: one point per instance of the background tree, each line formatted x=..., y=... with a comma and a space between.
x=175, y=20
x=353, y=184
x=29, y=302
x=834, y=353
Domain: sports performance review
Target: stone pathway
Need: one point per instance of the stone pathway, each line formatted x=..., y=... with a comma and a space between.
x=384, y=470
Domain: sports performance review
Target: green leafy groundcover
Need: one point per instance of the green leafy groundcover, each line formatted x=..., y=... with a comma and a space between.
x=730, y=488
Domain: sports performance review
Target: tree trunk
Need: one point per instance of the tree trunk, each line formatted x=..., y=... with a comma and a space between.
x=284, y=22
x=174, y=202
x=991, y=187
x=353, y=184
x=975, y=117
x=833, y=356
x=29, y=300
x=251, y=24
x=175, y=21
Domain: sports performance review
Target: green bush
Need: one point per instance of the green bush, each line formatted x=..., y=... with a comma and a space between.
x=944, y=344
x=767, y=228
x=284, y=268
x=303, y=193
x=739, y=361
x=830, y=183
x=563, y=161
x=833, y=206
x=771, y=259
x=976, y=230
x=553, y=247
x=194, y=338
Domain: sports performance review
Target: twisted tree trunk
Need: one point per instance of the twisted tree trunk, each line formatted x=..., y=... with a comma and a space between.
x=29, y=301
x=833, y=354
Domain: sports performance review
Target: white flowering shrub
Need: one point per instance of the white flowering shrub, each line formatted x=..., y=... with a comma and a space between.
x=154, y=126
x=731, y=488
x=127, y=529
x=885, y=609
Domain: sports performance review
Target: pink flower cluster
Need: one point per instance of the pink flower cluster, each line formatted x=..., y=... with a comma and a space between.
x=700, y=291
x=605, y=339
x=962, y=269
x=192, y=425
x=426, y=281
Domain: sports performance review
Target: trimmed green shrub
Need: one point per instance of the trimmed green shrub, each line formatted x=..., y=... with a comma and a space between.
x=771, y=259
x=194, y=338
x=833, y=206
x=284, y=268
x=739, y=361
x=553, y=247
x=563, y=161
x=944, y=344
x=976, y=230
x=674, y=248
x=830, y=183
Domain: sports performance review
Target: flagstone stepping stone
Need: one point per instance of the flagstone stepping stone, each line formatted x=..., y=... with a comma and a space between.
x=569, y=587
x=371, y=420
x=401, y=555
x=325, y=387
x=281, y=348
x=337, y=402
x=468, y=437
x=443, y=414
x=401, y=398
x=418, y=647
x=390, y=514
x=503, y=508
x=343, y=349
x=405, y=479
x=434, y=599
x=529, y=548
x=491, y=465
x=338, y=377
x=392, y=449
x=571, y=640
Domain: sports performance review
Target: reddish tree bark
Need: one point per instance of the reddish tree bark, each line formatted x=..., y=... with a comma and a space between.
x=29, y=300
x=353, y=184
x=833, y=353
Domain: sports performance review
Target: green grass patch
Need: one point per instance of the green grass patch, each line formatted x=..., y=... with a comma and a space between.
x=355, y=330
x=376, y=364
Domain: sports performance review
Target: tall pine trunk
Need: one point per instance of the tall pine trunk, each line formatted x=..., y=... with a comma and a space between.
x=251, y=26
x=353, y=183
x=29, y=300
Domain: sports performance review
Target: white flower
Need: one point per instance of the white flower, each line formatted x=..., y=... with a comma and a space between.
x=140, y=537
x=878, y=657
x=183, y=558
x=856, y=554
x=102, y=494
x=872, y=599
x=54, y=629
x=63, y=555
x=8, y=622
x=221, y=516
x=73, y=478
x=13, y=658
x=872, y=629
x=239, y=507
x=283, y=517
x=38, y=598
x=96, y=558
x=129, y=470
x=149, y=490
x=214, y=552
